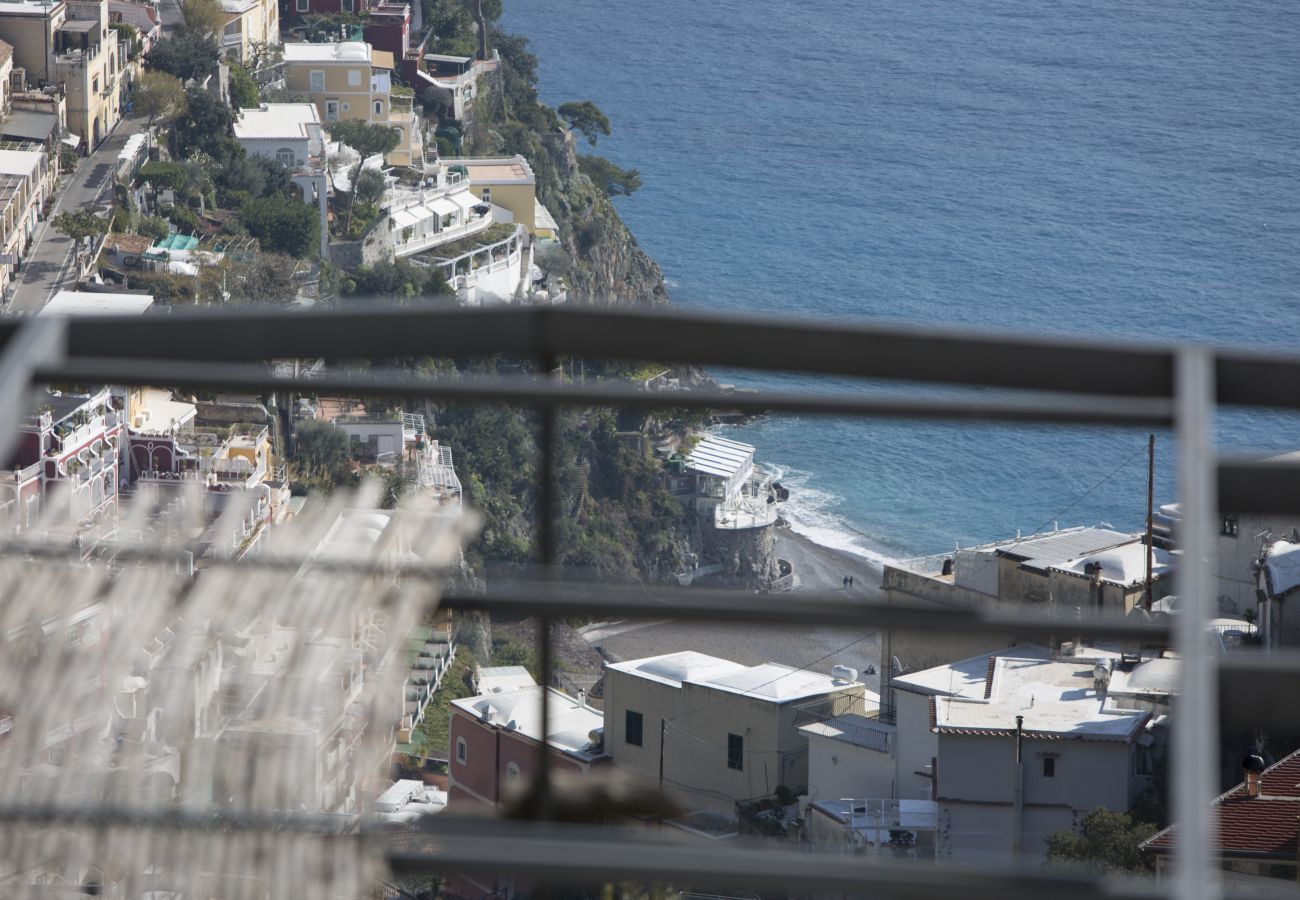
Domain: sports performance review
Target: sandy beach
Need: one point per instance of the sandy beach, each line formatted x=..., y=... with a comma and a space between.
x=821, y=571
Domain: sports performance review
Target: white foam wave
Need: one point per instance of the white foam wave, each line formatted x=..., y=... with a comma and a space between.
x=811, y=513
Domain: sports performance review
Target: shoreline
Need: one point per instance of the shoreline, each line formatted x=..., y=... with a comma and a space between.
x=821, y=568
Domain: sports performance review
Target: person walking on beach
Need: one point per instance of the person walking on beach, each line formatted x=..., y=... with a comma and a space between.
x=844, y=582
x=850, y=581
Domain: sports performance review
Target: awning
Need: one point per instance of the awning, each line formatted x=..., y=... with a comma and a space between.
x=466, y=201
x=73, y=141
x=23, y=123
x=443, y=206
x=404, y=218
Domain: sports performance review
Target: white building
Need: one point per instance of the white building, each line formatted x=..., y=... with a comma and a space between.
x=723, y=731
x=95, y=303
x=291, y=134
x=1020, y=746
x=850, y=755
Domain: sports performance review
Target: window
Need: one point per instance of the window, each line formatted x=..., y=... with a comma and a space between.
x=347, y=107
x=462, y=751
x=735, y=752
x=95, y=84
x=302, y=5
x=317, y=79
x=347, y=5
x=512, y=773
x=354, y=77
x=331, y=110
x=632, y=728
x=379, y=107
x=487, y=195
x=1230, y=526
x=1049, y=766
x=284, y=156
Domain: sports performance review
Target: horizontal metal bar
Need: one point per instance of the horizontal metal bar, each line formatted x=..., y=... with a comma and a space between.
x=1251, y=378
x=526, y=597
x=547, y=393
x=561, y=855
x=831, y=348
x=102, y=816
x=1259, y=486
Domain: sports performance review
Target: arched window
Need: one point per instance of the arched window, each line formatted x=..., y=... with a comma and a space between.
x=379, y=107
x=284, y=156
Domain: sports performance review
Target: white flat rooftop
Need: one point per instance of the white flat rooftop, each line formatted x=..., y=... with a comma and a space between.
x=503, y=170
x=338, y=52
x=277, y=121
x=91, y=303
x=851, y=728
x=964, y=678
x=19, y=162
x=767, y=681
x=500, y=679
x=719, y=456
x=570, y=722
x=1056, y=699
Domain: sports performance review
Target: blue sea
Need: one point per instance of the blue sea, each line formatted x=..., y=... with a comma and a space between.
x=1110, y=169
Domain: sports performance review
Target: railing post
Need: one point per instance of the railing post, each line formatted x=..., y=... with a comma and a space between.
x=1195, y=724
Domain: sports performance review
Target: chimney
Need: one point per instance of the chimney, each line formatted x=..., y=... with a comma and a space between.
x=1253, y=768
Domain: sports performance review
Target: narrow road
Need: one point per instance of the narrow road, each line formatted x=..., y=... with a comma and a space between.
x=48, y=266
x=169, y=11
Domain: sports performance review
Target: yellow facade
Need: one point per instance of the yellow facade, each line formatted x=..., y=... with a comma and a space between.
x=250, y=22
x=47, y=45
x=520, y=199
x=348, y=86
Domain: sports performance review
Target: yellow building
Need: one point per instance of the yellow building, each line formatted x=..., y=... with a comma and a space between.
x=69, y=44
x=508, y=182
x=249, y=22
x=345, y=82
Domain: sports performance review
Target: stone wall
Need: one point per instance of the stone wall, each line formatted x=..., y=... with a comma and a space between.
x=747, y=555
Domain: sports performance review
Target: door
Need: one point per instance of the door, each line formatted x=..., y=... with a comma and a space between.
x=331, y=110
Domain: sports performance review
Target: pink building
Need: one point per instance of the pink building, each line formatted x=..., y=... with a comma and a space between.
x=496, y=742
x=71, y=443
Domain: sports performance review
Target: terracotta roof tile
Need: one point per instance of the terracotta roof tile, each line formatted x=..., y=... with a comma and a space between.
x=1266, y=825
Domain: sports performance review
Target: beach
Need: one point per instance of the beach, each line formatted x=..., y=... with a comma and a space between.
x=821, y=570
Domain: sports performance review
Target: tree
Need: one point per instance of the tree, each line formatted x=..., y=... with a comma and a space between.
x=585, y=118
x=283, y=225
x=79, y=225
x=614, y=180
x=160, y=95
x=365, y=138
x=367, y=188
x=206, y=125
x=265, y=279
x=320, y=446
x=204, y=17
x=243, y=89
x=395, y=280
x=186, y=55
x=1108, y=844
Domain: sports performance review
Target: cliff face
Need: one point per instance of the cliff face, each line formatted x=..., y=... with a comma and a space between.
x=600, y=260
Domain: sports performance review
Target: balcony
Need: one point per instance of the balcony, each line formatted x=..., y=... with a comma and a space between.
x=1082, y=383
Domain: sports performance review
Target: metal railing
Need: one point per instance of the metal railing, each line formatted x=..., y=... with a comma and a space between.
x=1078, y=382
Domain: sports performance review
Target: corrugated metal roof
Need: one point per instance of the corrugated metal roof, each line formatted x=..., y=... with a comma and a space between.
x=719, y=456
x=854, y=729
x=1058, y=548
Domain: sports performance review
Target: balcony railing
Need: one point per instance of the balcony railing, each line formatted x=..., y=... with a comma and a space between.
x=1073, y=382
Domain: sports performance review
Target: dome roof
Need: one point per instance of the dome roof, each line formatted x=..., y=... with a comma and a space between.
x=354, y=50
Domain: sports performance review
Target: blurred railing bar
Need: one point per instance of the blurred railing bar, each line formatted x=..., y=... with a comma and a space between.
x=567, y=856
x=603, y=601
x=39, y=341
x=1259, y=486
x=1073, y=409
x=830, y=348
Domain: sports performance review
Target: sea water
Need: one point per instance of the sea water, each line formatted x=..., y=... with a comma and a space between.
x=1109, y=169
